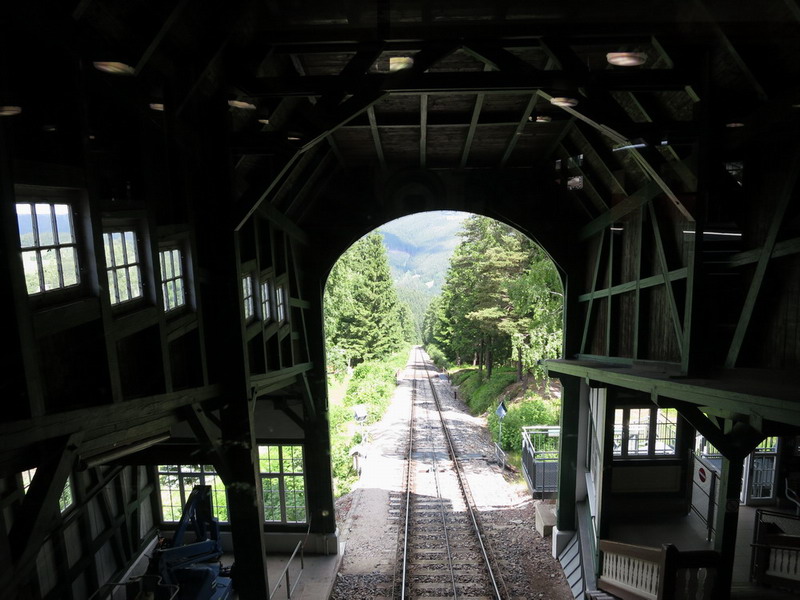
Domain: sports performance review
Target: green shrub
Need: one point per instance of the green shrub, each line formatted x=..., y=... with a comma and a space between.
x=532, y=410
x=437, y=356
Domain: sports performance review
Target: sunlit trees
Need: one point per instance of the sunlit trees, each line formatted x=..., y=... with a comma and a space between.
x=363, y=317
x=501, y=301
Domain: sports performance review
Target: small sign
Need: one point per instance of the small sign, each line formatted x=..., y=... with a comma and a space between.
x=501, y=410
x=702, y=474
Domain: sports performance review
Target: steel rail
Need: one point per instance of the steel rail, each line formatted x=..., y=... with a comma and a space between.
x=467, y=496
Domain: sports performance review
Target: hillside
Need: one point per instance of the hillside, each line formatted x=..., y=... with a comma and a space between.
x=419, y=248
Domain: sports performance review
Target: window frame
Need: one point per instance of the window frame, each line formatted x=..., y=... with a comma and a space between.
x=267, y=297
x=66, y=499
x=621, y=451
x=206, y=475
x=184, y=277
x=282, y=478
x=124, y=227
x=33, y=199
x=281, y=308
x=248, y=297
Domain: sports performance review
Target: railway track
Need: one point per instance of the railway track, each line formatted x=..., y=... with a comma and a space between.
x=442, y=552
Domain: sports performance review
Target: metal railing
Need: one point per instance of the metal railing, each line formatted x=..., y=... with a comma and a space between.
x=704, y=492
x=290, y=587
x=776, y=549
x=540, y=458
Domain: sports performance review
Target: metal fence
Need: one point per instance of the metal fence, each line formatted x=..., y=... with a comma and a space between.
x=540, y=459
x=705, y=477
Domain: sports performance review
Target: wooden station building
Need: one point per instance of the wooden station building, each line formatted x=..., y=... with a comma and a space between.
x=178, y=177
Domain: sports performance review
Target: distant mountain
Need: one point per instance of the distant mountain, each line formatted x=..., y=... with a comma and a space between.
x=419, y=248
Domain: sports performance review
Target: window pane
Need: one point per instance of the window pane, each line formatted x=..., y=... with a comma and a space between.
x=293, y=456
x=50, y=269
x=117, y=246
x=619, y=415
x=638, y=431
x=64, y=224
x=122, y=285
x=44, y=221
x=272, y=498
x=31, y=268
x=176, y=263
x=666, y=431
x=136, y=283
x=25, y=225
x=108, y=246
x=65, y=501
x=180, y=300
x=69, y=266
x=130, y=248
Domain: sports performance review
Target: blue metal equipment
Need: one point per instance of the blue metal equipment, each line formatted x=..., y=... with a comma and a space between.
x=190, y=566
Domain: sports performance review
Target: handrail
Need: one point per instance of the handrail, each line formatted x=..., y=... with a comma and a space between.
x=640, y=572
x=290, y=588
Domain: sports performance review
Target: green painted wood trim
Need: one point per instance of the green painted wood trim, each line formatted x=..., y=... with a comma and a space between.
x=662, y=260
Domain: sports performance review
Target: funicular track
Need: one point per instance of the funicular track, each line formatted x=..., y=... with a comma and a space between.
x=442, y=552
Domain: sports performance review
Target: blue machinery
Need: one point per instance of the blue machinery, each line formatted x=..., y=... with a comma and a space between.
x=194, y=568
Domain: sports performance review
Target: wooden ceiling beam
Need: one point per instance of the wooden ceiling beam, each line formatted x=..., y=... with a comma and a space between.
x=476, y=113
x=376, y=137
x=468, y=82
x=423, y=129
x=518, y=131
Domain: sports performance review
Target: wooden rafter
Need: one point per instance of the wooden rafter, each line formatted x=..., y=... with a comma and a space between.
x=518, y=131
x=208, y=438
x=595, y=275
x=785, y=189
x=376, y=137
x=423, y=129
x=662, y=261
x=636, y=200
x=174, y=14
x=473, y=123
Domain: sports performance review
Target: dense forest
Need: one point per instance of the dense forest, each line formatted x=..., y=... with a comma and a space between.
x=501, y=302
x=364, y=319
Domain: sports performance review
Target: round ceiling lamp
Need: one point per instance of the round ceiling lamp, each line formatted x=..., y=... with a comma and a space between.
x=157, y=106
x=10, y=110
x=626, y=59
x=114, y=67
x=564, y=101
x=241, y=104
x=543, y=119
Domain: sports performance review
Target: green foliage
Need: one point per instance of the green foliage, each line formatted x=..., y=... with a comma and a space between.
x=532, y=410
x=478, y=391
x=364, y=319
x=501, y=302
x=371, y=384
x=437, y=356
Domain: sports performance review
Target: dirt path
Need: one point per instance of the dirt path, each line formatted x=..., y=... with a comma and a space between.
x=369, y=516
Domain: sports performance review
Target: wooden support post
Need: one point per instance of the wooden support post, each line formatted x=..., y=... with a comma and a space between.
x=588, y=319
x=726, y=522
x=566, y=518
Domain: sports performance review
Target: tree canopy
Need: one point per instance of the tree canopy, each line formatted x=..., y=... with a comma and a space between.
x=501, y=301
x=363, y=317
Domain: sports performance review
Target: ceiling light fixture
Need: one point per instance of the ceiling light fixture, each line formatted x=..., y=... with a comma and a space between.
x=293, y=138
x=241, y=104
x=563, y=101
x=264, y=121
x=626, y=59
x=157, y=106
x=543, y=119
x=10, y=111
x=114, y=67
x=400, y=63
x=734, y=125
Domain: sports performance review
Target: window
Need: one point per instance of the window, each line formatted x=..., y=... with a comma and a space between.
x=48, y=243
x=266, y=300
x=283, y=483
x=645, y=432
x=176, y=483
x=122, y=266
x=247, y=295
x=280, y=304
x=173, y=283
x=66, y=498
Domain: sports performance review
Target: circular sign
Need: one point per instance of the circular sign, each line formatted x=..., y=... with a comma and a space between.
x=702, y=474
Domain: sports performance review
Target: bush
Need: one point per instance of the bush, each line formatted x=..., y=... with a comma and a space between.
x=437, y=356
x=532, y=410
x=371, y=384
